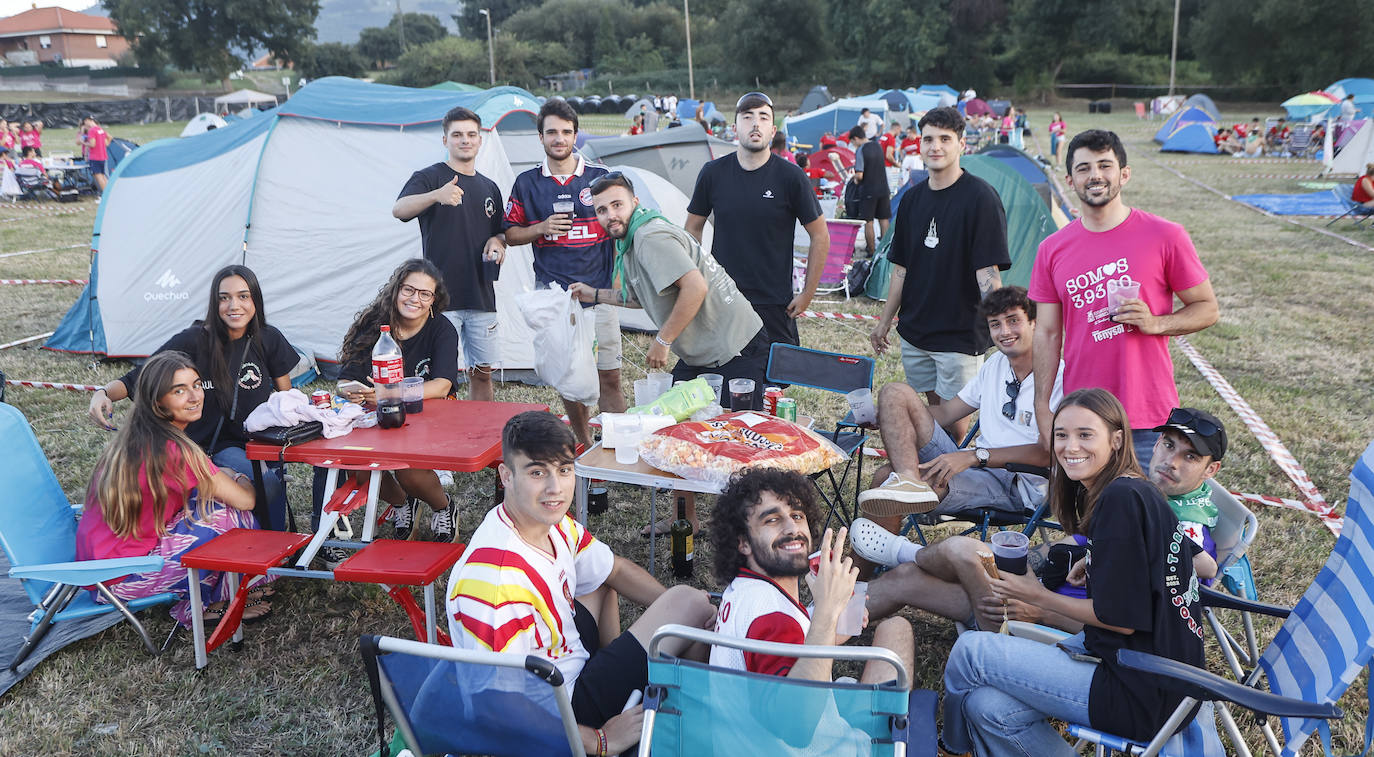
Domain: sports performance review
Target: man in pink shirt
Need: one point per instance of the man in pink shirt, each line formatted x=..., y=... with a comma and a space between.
x=96, y=142
x=1122, y=347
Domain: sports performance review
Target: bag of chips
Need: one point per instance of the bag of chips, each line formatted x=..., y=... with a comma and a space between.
x=712, y=450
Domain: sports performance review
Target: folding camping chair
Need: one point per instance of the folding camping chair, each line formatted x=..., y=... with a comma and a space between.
x=38, y=534
x=831, y=372
x=447, y=700
x=844, y=236
x=1325, y=641
x=695, y=709
x=1300, y=143
x=1359, y=211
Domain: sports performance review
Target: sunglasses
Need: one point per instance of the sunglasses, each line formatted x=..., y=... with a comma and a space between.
x=766, y=100
x=1183, y=417
x=614, y=178
x=1013, y=391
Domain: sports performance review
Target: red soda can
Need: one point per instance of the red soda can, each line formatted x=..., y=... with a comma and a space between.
x=771, y=395
x=321, y=399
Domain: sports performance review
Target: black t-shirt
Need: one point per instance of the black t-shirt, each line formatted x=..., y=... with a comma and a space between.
x=874, y=183
x=454, y=235
x=261, y=365
x=431, y=353
x=756, y=214
x=941, y=238
x=1140, y=576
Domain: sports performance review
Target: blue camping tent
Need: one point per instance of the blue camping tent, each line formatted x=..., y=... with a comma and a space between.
x=687, y=110
x=1192, y=137
x=836, y=118
x=943, y=89
x=1357, y=87
x=1184, y=116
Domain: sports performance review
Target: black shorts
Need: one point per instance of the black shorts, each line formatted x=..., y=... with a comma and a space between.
x=751, y=363
x=96, y=167
x=610, y=675
x=877, y=206
x=778, y=326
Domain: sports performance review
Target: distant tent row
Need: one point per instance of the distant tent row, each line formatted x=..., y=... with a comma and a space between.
x=675, y=154
x=1191, y=128
x=836, y=118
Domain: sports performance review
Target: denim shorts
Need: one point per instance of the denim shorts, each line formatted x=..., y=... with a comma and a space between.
x=478, y=343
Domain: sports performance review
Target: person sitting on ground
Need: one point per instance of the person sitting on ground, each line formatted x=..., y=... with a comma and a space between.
x=408, y=302
x=948, y=579
x=1001, y=691
x=1254, y=139
x=156, y=492
x=1363, y=191
x=1227, y=142
x=636, y=126
x=1277, y=137
x=926, y=469
x=241, y=360
x=763, y=529
x=534, y=581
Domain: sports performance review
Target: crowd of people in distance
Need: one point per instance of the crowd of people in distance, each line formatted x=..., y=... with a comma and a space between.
x=1080, y=382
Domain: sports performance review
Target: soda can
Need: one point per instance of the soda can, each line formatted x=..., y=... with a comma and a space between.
x=771, y=395
x=321, y=399
x=787, y=409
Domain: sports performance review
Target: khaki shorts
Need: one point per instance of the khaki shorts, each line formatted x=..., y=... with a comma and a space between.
x=607, y=338
x=944, y=373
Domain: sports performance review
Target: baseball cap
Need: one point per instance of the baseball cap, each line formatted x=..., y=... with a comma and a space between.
x=1203, y=430
x=752, y=100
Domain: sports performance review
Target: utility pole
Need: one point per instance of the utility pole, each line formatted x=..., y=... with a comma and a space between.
x=491, y=48
x=401, y=25
x=687, y=24
x=1173, y=55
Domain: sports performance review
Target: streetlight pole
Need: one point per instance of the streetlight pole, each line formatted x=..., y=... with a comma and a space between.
x=401, y=25
x=687, y=24
x=1173, y=55
x=491, y=49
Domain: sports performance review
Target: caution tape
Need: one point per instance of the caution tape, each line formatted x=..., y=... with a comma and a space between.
x=26, y=340
x=46, y=249
x=840, y=316
x=53, y=385
x=35, y=214
x=79, y=282
x=1315, y=504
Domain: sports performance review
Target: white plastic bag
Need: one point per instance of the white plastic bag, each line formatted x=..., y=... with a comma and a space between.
x=564, y=343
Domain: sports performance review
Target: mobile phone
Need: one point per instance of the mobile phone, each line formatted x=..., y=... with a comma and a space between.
x=348, y=387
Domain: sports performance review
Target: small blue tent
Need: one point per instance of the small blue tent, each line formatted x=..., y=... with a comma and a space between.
x=1185, y=115
x=836, y=118
x=1192, y=137
x=687, y=110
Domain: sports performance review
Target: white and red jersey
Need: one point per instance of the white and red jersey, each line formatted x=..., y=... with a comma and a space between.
x=755, y=607
x=507, y=595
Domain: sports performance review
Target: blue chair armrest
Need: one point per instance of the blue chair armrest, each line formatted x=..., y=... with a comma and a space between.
x=1201, y=684
x=88, y=572
x=1220, y=599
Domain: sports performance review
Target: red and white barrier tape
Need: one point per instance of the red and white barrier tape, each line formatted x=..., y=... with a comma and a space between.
x=46, y=249
x=78, y=282
x=840, y=316
x=52, y=385
x=1315, y=504
x=25, y=340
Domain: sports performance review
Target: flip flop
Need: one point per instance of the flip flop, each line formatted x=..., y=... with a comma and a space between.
x=262, y=591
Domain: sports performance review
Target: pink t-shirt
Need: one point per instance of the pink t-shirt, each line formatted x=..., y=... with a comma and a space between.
x=95, y=540
x=1072, y=268
x=28, y=139
x=7, y=140
x=96, y=144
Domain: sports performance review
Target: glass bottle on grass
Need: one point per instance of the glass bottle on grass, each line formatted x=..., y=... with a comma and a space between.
x=682, y=542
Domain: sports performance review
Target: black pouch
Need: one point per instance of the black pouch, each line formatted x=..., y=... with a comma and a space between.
x=1060, y=559
x=286, y=436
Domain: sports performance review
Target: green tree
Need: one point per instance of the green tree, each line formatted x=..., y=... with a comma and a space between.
x=331, y=59
x=465, y=60
x=895, y=42
x=1270, y=42
x=471, y=23
x=420, y=28
x=213, y=38
x=379, y=45
x=775, y=41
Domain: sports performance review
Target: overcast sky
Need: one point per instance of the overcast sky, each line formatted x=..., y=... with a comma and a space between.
x=11, y=7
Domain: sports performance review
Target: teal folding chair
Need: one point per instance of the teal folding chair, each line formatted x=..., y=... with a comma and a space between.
x=458, y=701
x=38, y=535
x=695, y=709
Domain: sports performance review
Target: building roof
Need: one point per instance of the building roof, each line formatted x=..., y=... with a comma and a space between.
x=54, y=21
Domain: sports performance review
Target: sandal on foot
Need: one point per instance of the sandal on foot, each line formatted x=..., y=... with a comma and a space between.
x=256, y=610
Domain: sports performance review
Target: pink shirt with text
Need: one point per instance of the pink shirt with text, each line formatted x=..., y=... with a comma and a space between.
x=1072, y=268
x=97, y=142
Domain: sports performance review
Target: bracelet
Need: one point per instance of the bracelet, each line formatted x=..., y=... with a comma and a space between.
x=659, y=339
x=600, y=743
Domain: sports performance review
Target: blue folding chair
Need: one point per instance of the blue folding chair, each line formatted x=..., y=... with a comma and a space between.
x=831, y=372
x=38, y=534
x=699, y=710
x=446, y=700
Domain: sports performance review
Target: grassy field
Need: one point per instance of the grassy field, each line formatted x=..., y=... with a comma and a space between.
x=1288, y=339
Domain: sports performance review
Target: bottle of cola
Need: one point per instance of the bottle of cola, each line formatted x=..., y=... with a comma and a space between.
x=388, y=369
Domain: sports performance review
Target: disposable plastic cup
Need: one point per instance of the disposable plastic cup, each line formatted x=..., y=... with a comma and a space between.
x=563, y=206
x=659, y=383
x=861, y=405
x=1117, y=292
x=413, y=394
x=715, y=381
x=741, y=394
x=619, y=429
x=643, y=392
x=1009, y=550
x=627, y=452
x=851, y=620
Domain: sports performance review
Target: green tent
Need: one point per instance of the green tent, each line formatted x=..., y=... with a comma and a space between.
x=1028, y=220
x=453, y=86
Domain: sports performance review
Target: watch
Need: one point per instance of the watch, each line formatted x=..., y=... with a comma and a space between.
x=983, y=455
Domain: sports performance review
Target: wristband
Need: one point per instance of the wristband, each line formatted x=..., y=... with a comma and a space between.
x=600, y=743
x=659, y=339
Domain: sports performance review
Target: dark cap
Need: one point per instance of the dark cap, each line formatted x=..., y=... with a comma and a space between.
x=1204, y=431
x=752, y=100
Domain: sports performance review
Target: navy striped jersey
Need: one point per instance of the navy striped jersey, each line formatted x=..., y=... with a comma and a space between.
x=586, y=252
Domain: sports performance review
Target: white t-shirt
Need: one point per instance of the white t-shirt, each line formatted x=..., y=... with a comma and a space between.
x=754, y=607
x=911, y=162
x=988, y=392
x=507, y=595
x=872, y=123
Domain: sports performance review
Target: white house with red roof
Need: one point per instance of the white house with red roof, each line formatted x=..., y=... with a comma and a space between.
x=58, y=35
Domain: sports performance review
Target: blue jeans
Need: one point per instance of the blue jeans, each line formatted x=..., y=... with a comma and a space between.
x=235, y=459
x=1000, y=690
x=1144, y=442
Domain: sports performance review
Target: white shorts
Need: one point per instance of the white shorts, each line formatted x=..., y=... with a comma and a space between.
x=944, y=373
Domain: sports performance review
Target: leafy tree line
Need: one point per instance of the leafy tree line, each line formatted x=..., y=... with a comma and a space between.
x=858, y=44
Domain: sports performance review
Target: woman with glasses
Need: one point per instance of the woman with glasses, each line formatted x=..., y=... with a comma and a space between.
x=241, y=361
x=409, y=303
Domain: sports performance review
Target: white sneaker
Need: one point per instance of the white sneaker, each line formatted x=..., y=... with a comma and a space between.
x=874, y=543
x=898, y=495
